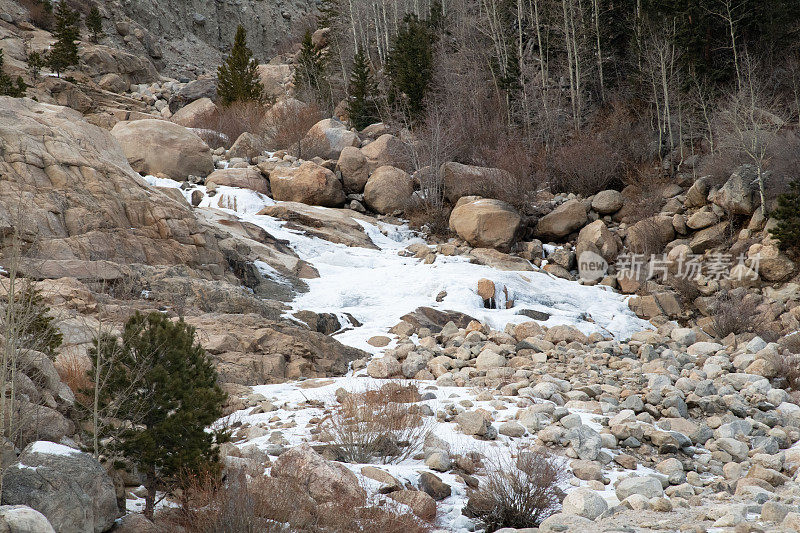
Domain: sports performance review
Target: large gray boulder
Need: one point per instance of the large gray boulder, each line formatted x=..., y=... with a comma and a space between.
x=388, y=190
x=563, y=220
x=70, y=488
x=738, y=195
x=327, y=138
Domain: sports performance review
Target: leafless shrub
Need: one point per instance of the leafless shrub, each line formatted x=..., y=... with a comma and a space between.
x=585, y=165
x=686, y=288
x=287, y=123
x=375, y=426
x=733, y=313
x=244, y=504
x=73, y=371
x=228, y=122
x=519, y=492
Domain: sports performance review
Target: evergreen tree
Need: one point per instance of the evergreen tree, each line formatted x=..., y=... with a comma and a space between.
x=64, y=52
x=310, y=71
x=238, y=75
x=168, y=395
x=9, y=87
x=410, y=64
x=36, y=61
x=788, y=216
x=94, y=23
x=361, y=105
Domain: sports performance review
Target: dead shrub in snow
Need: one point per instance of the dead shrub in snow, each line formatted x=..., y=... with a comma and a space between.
x=378, y=425
x=518, y=492
x=245, y=504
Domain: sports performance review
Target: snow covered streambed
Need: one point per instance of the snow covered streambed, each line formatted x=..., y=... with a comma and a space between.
x=378, y=286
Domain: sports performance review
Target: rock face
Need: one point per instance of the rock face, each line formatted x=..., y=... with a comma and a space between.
x=276, y=80
x=70, y=488
x=324, y=480
x=194, y=90
x=195, y=114
x=563, y=220
x=245, y=178
x=83, y=202
x=157, y=146
x=388, y=190
x=486, y=223
x=353, y=166
x=327, y=138
x=309, y=184
x=23, y=519
x=468, y=180
x=388, y=150
x=97, y=60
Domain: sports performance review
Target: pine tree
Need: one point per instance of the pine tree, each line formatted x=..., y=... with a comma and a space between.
x=64, y=52
x=9, y=87
x=788, y=216
x=238, y=75
x=170, y=396
x=35, y=62
x=362, y=88
x=94, y=23
x=410, y=64
x=310, y=71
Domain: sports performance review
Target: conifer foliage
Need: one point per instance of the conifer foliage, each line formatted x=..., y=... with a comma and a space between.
x=94, y=23
x=9, y=87
x=788, y=216
x=64, y=52
x=238, y=75
x=361, y=105
x=171, y=396
x=410, y=64
x=310, y=72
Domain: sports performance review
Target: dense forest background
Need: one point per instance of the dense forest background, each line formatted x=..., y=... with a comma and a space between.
x=573, y=95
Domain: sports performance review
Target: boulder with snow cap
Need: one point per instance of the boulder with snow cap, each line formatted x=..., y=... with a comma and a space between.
x=70, y=488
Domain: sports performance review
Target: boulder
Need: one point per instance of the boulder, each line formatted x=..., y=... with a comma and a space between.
x=648, y=486
x=697, y=194
x=388, y=190
x=352, y=164
x=468, y=180
x=420, y=503
x=708, y=238
x=309, y=184
x=113, y=83
x=770, y=263
x=197, y=114
x=194, y=90
x=584, y=502
x=324, y=480
x=607, y=202
x=650, y=234
x=23, y=519
x=473, y=423
x=327, y=138
x=738, y=195
x=486, y=223
x=97, y=60
x=157, y=146
x=434, y=486
x=384, y=367
x=244, y=178
x=248, y=146
x=563, y=220
x=585, y=441
x=70, y=488
x=388, y=150
x=276, y=80
x=596, y=237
